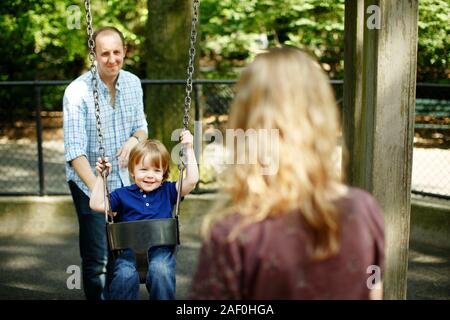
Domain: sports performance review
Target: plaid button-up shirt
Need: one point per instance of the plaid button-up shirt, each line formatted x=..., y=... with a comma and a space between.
x=118, y=123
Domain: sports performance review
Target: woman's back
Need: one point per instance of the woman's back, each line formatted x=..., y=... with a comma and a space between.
x=291, y=239
x=271, y=259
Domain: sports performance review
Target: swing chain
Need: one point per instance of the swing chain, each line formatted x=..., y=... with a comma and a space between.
x=93, y=69
x=190, y=68
x=187, y=100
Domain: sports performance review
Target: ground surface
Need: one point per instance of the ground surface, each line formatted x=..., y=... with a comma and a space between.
x=36, y=249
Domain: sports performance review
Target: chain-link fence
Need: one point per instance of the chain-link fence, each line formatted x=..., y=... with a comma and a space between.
x=32, y=149
x=431, y=155
x=31, y=138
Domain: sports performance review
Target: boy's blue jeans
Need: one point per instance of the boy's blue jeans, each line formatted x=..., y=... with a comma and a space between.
x=160, y=280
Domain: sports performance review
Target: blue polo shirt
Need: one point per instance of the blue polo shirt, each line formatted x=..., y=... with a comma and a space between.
x=131, y=203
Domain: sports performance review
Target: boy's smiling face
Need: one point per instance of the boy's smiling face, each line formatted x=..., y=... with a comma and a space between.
x=147, y=176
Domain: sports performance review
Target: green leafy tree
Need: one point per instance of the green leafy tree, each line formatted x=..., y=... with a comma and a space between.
x=47, y=40
x=37, y=43
x=42, y=41
x=434, y=37
x=234, y=31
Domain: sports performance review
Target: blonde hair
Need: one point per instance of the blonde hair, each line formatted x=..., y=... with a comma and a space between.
x=285, y=89
x=155, y=151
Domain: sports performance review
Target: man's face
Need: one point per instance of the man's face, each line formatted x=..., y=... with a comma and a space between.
x=110, y=54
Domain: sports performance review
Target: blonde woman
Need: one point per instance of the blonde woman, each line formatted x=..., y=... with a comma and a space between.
x=297, y=232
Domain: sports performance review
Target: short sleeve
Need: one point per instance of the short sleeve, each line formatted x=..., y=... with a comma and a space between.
x=115, y=201
x=140, y=121
x=74, y=122
x=172, y=190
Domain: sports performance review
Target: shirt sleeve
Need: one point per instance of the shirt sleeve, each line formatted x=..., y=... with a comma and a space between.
x=173, y=193
x=74, y=123
x=140, y=121
x=115, y=201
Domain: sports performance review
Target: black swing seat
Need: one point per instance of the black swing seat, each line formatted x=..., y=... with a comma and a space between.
x=140, y=236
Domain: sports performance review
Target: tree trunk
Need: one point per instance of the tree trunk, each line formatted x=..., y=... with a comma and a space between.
x=167, y=57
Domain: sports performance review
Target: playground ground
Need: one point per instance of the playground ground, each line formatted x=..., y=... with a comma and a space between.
x=39, y=242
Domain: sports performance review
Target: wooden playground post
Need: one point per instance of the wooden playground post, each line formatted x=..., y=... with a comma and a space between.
x=378, y=117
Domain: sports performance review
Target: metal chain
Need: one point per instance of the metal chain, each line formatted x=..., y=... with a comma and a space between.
x=190, y=68
x=187, y=99
x=93, y=68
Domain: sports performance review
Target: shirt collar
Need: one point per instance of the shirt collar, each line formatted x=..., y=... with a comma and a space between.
x=134, y=187
x=102, y=85
x=119, y=81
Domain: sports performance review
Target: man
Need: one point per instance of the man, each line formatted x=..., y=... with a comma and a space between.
x=123, y=125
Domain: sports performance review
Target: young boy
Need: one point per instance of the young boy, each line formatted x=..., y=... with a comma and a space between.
x=151, y=197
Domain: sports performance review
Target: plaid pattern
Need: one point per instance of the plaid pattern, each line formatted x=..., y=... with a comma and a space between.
x=118, y=123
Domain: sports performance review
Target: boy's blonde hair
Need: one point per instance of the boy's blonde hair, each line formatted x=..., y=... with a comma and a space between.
x=285, y=89
x=155, y=151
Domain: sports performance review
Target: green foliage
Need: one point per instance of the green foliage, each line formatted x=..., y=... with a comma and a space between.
x=434, y=38
x=37, y=43
x=40, y=42
x=235, y=31
x=232, y=29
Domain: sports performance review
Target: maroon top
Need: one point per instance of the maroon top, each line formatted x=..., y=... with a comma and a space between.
x=269, y=259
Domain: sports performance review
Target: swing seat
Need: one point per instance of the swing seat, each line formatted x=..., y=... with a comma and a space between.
x=140, y=236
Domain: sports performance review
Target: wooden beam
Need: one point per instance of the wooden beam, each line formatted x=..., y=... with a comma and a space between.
x=353, y=80
x=379, y=102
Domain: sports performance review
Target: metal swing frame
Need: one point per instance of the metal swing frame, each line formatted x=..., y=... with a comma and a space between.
x=141, y=235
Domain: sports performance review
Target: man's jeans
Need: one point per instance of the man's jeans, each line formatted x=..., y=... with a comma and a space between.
x=160, y=280
x=93, y=246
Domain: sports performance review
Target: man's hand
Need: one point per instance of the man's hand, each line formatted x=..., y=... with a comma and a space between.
x=124, y=152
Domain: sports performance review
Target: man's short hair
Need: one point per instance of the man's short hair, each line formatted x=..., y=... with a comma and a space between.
x=113, y=29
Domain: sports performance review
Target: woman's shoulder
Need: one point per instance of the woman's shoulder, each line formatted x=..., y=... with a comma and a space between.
x=360, y=203
x=360, y=195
